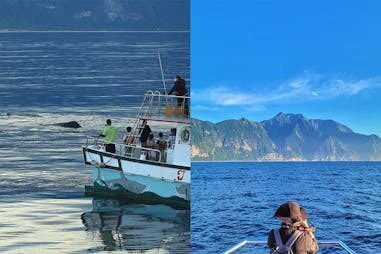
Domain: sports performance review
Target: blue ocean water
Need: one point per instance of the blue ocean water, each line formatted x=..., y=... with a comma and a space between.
x=237, y=201
x=87, y=70
x=53, y=77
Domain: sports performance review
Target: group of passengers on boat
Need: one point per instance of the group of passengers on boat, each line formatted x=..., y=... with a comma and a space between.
x=155, y=147
x=147, y=140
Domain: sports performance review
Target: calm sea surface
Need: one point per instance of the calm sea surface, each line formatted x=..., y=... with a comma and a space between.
x=50, y=78
x=236, y=201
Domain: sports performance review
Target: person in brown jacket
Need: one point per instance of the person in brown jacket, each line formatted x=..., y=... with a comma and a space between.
x=294, y=235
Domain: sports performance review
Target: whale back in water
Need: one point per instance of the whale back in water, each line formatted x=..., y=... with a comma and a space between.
x=71, y=124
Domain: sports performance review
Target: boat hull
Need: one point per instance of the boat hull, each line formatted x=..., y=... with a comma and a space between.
x=154, y=182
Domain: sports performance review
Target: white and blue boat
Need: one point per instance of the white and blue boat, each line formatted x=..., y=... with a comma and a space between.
x=130, y=172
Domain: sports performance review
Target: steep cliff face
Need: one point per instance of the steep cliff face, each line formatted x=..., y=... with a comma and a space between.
x=284, y=137
x=242, y=139
x=230, y=140
x=204, y=139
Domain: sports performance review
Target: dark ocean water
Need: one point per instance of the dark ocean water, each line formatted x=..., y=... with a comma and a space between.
x=237, y=201
x=49, y=78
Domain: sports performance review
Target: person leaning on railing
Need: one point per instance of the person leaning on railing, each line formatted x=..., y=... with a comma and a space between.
x=179, y=89
x=109, y=133
x=294, y=233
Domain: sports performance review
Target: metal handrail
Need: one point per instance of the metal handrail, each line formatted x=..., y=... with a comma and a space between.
x=247, y=242
x=147, y=149
x=153, y=104
x=97, y=141
x=160, y=107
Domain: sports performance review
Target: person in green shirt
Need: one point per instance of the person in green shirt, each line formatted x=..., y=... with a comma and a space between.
x=109, y=133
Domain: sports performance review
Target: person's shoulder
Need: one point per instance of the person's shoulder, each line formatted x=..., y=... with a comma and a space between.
x=110, y=127
x=271, y=233
x=271, y=238
x=305, y=238
x=306, y=243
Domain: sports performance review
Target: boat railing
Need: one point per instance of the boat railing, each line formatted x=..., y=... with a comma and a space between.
x=338, y=243
x=131, y=151
x=165, y=107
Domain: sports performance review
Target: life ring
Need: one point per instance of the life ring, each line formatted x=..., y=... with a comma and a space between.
x=185, y=135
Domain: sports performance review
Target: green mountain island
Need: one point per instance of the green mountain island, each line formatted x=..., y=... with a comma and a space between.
x=285, y=137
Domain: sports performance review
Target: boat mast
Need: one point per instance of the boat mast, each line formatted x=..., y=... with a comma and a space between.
x=162, y=73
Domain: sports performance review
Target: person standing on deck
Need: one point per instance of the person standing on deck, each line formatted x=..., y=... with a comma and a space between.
x=172, y=137
x=109, y=133
x=162, y=146
x=294, y=233
x=179, y=89
x=144, y=135
x=128, y=137
x=151, y=155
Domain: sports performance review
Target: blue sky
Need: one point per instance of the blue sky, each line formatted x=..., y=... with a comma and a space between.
x=256, y=58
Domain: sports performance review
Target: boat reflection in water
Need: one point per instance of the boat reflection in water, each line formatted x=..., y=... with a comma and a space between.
x=148, y=228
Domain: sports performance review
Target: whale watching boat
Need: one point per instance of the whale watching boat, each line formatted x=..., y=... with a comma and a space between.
x=153, y=174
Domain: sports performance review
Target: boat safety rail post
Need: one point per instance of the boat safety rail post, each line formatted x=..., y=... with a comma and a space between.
x=320, y=243
x=158, y=103
x=236, y=247
x=97, y=143
x=92, y=140
x=338, y=243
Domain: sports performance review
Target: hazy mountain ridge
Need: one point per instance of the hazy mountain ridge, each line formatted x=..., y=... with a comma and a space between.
x=284, y=137
x=147, y=15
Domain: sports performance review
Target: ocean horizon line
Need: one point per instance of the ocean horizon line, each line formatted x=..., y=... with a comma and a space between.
x=93, y=31
x=238, y=161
